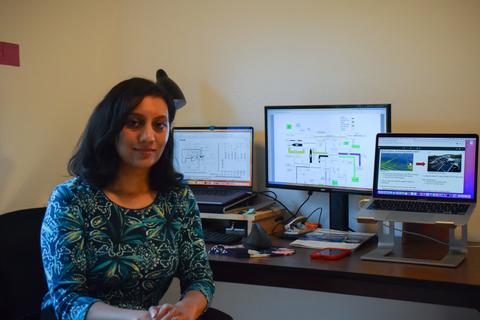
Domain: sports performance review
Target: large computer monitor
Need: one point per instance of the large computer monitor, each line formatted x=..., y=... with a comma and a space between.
x=329, y=148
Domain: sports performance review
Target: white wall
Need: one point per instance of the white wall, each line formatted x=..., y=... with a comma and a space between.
x=230, y=58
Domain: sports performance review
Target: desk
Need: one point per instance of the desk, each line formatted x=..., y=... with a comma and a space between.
x=447, y=286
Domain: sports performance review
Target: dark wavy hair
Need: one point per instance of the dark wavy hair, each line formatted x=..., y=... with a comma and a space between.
x=96, y=159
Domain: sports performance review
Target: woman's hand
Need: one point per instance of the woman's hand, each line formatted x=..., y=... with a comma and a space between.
x=189, y=308
x=168, y=311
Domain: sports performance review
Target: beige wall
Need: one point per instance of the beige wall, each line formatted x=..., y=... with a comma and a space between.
x=231, y=58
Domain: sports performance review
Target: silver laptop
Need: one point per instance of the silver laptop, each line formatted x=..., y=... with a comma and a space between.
x=217, y=163
x=424, y=178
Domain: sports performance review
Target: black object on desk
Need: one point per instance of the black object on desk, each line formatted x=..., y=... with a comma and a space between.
x=221, y=238
x=258, y=239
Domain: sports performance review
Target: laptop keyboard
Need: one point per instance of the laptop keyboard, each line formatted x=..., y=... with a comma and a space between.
x=214, y=192
x=416, y=206
x=221, y=238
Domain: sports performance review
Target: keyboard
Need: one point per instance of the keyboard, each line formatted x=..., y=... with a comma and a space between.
x=215, y=191
x=218, y=196
x=221, y=238
x=416, y=206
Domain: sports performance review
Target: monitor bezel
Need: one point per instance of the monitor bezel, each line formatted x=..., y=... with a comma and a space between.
x=386, y=106
x=426, y=135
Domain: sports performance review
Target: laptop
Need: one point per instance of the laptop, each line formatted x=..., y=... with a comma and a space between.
x=423, y=178
x=217, y=164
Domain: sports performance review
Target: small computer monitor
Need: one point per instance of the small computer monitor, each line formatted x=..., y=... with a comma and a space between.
x=328, y=148
x=214, y=156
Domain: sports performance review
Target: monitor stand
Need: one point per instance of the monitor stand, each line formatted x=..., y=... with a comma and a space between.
x=457, y=250
x=339, y=211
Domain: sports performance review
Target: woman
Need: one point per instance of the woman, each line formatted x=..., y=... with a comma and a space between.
x=115, y=235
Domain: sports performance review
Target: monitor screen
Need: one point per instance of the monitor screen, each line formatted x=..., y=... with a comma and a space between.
x=214, y=156
x=426, y=166
x=323, y=148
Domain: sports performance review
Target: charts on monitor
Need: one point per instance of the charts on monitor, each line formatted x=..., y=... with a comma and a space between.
x=223, y=159
x=214, y=155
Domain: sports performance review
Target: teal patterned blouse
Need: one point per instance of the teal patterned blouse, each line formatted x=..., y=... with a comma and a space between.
x=95, y=250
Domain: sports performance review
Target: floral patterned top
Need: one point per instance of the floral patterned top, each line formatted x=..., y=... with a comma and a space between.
x=95, y=250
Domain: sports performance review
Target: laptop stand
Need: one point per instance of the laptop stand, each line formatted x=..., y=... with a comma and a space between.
x=457, y=249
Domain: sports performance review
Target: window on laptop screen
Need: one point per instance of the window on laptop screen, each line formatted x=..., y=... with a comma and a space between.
x=426, y=167
x=214, y=156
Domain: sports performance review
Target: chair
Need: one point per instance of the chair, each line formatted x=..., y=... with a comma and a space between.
x=215, y=314
x=22, y=281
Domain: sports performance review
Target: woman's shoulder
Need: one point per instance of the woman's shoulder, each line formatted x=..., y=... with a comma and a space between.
x=67, y=200
x=73, y=187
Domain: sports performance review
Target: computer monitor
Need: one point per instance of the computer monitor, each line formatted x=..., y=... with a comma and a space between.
x=329, y=148
x=214, y=156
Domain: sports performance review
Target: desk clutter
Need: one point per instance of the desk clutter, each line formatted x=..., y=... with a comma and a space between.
x=336, y=239
x=250, y=230
x=251, y=222
x=239, y=251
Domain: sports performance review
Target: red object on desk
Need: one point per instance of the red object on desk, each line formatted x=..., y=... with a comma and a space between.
x=330, y=254
x=312, y=226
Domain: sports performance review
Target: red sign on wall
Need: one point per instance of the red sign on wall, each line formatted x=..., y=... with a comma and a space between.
x=9, y=54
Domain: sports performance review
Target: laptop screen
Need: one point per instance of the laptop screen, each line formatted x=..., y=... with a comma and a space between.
x=214, y=156
x=426, y=166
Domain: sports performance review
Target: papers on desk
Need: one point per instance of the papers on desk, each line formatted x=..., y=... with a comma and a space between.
x=327, y=238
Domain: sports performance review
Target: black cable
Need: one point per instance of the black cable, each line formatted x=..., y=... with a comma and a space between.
x=276, y=200
x=277, y=233
x=305, y=201
x=319, y=215
x=268, y=191
x=418, y=235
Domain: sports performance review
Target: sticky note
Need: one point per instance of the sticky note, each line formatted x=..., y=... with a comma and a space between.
x=9, y=54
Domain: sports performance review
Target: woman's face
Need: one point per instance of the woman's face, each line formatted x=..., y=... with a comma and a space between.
x=142, y=140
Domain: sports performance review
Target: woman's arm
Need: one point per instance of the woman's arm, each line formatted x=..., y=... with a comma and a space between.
x=63, y=255
x=194, y=270
x=195, y=302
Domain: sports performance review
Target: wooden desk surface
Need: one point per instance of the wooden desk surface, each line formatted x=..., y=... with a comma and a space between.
x=439, y=285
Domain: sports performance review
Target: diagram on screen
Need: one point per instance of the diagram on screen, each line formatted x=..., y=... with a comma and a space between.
x=192, y=159
x=317, y=156
x=213, y=158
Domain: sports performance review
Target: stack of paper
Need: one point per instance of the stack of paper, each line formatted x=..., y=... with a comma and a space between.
x=327, y=238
